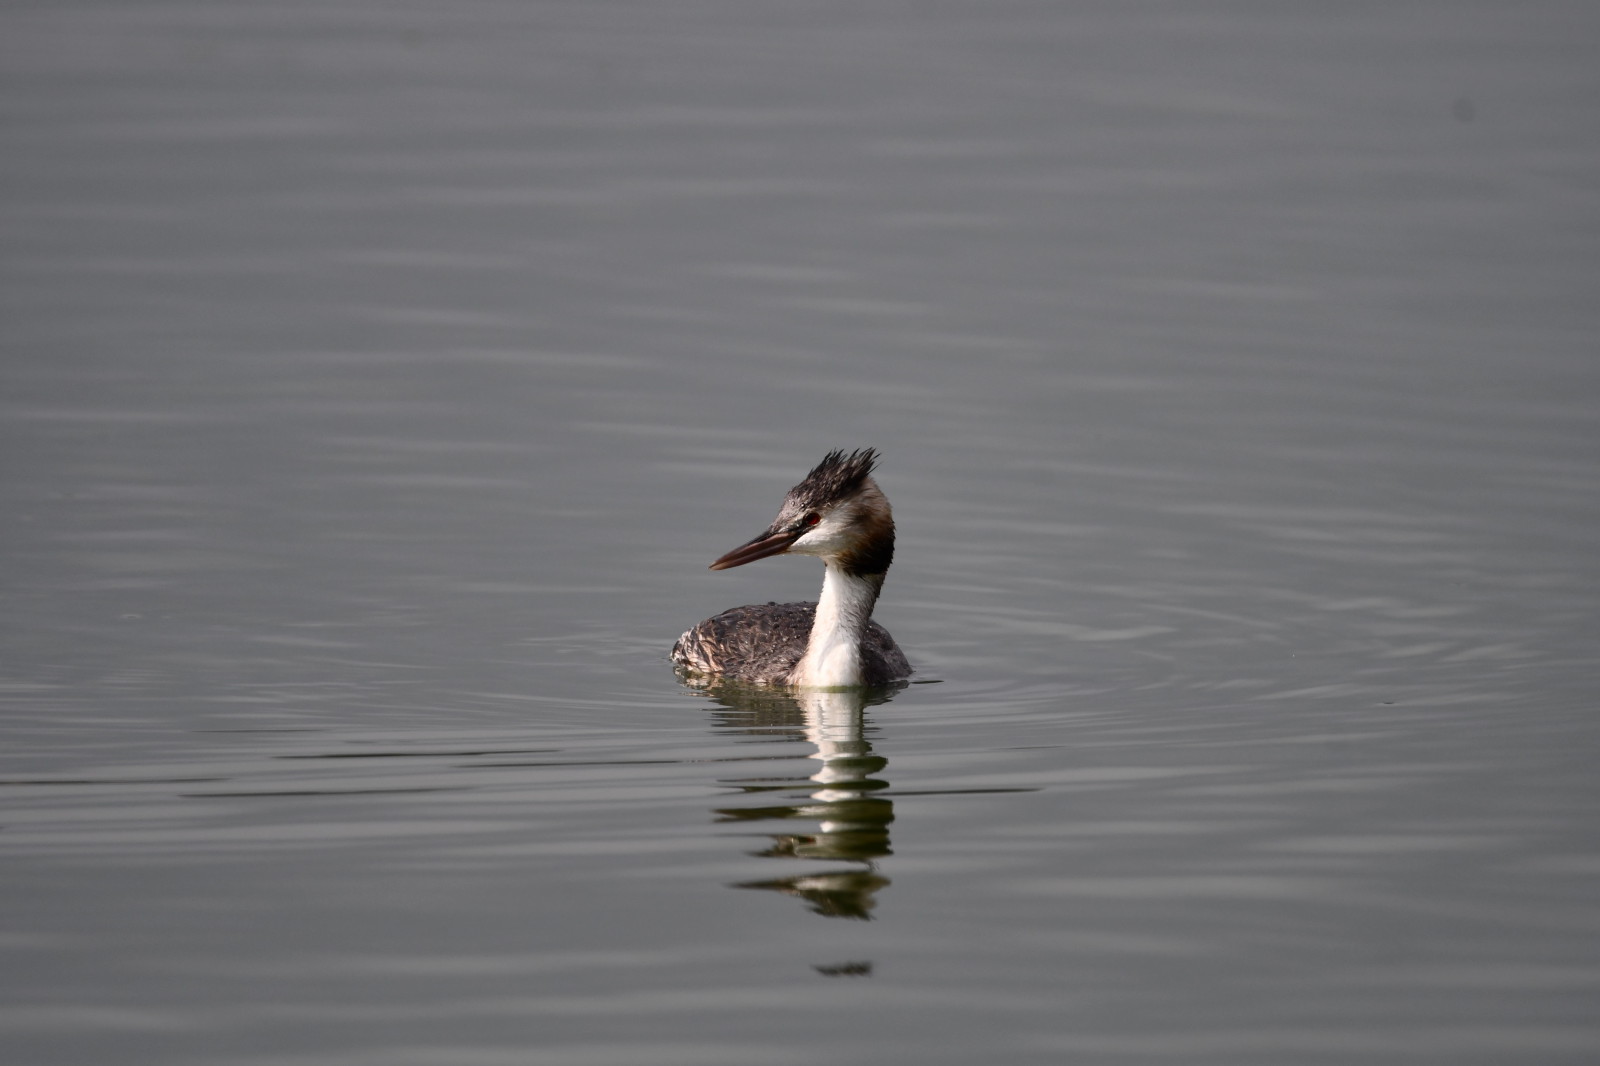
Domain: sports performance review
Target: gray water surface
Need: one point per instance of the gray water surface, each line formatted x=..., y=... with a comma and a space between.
x=378, y=379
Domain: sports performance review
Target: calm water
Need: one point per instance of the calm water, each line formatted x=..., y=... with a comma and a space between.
x=379, y=379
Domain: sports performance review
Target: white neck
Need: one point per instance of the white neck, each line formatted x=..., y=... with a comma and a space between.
x=833, y=654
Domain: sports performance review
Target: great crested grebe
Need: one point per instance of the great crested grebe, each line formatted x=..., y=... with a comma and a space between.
x=838, y=514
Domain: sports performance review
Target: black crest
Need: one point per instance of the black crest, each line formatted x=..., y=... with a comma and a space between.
x=837, y=477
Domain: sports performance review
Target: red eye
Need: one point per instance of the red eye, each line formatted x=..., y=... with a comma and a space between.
x=811, y=519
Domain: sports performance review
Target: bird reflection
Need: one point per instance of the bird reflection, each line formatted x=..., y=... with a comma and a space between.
x=841, y=798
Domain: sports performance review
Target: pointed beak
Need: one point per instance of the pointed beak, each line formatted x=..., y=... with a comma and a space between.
x=771, y=542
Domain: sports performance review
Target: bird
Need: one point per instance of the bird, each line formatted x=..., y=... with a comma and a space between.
x=837, y=513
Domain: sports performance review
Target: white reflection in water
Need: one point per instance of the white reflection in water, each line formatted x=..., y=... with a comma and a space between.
x=843, y=797
x=847, y=799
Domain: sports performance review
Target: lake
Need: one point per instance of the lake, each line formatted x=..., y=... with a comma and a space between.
x=379, y=379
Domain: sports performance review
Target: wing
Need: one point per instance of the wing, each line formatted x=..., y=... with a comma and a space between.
x=759, y=643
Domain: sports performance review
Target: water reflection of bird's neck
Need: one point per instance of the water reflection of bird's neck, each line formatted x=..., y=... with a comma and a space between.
x=835, y=724
x=852, y=818
x=844, y=797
